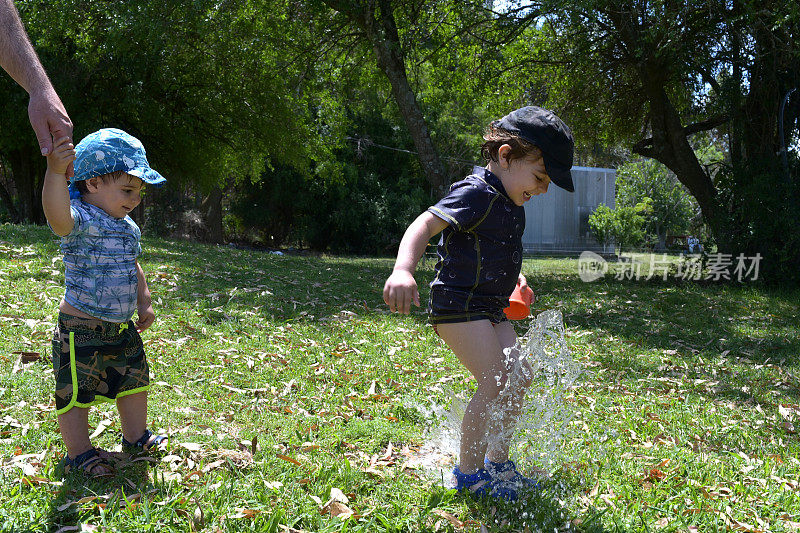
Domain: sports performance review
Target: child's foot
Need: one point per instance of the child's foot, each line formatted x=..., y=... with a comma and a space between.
x=506, y=474
x=477, y=484
x=148, y=442
x=480, y=484
x=91, y=462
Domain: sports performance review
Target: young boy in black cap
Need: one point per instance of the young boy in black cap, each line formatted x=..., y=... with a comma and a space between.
x=480, y=260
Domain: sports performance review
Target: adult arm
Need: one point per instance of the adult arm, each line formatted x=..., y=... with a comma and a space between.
x=400, y=289
x=17, y=57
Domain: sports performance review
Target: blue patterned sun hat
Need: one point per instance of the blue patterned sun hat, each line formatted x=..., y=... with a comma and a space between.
x=109, y=150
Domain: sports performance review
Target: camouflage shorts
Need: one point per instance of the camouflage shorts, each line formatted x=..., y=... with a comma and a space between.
x=100, y=360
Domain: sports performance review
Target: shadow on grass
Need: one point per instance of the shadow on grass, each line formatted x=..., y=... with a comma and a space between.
x=691, y=316
x=81, y=496
x=694, y=321
x=663, y=315
x=688, y=322
x=539, y=510
x=695, y=317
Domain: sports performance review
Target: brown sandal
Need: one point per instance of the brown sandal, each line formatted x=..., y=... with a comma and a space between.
x=88, y=461
x=149, y=442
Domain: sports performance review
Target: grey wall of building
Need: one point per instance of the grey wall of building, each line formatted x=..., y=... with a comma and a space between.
x=557, y=222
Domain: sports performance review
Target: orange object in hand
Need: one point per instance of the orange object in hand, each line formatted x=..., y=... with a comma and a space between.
x=519, y=303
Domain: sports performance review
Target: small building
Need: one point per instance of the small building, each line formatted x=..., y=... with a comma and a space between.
x=558, y=222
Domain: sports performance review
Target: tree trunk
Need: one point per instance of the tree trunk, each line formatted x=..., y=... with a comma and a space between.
x=380, y=28
x=5, y=196
x=211, y=209
x=27, y=171
x=774, y=72
x=670, y=146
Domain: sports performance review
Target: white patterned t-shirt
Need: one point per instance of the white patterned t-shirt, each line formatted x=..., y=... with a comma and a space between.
x=100, y=263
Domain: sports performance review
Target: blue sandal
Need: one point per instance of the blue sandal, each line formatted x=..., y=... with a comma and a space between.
x=87, y=462
x=480, y=484
x=506, y=475
x=148, y=441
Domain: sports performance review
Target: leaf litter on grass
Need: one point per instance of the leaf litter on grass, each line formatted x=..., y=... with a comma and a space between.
x=701, y=376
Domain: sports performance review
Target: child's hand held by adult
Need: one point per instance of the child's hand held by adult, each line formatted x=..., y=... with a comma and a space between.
x=400, y=291
x=62, y=155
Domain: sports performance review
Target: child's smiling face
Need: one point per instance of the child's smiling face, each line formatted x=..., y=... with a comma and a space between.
x=522, y=178
x=117, y=197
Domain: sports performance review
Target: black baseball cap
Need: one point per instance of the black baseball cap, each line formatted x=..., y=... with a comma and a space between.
x=544, y=129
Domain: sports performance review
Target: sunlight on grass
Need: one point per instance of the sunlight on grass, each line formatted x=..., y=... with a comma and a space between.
x=296, y=402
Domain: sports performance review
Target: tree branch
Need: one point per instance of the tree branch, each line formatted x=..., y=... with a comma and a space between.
x=646, y=148
x=706, y=125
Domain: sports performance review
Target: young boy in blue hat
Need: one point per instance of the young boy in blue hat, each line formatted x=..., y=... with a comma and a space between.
x=480, y=260
x=98, y=353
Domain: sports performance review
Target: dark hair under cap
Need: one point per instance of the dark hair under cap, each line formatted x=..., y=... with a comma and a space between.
x=544, y=129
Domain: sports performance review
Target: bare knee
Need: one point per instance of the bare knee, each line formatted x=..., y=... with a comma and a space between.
x=492, y=385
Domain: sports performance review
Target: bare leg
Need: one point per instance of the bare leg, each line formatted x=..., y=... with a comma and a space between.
x=133, y=415
x=510, y=400
x=477, y=346
x=74, y=428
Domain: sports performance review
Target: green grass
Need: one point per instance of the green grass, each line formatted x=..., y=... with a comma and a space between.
x=282, y=377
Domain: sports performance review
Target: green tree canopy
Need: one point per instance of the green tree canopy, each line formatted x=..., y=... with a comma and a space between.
x=671, y=206
x=204, y=85
x=652, y=74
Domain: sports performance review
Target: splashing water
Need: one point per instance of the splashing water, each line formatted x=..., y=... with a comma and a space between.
x=542, y=359
x=439, y=454
x=533, y=425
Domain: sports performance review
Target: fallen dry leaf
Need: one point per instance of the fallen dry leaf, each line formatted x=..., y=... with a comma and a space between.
x=662, y=522
x=334, y=508
x=742, y=526
x=456, y=523
x=101, y=427
x=787, y=411
x=241, y=512
x=373, y=472
x=338, y=496
x=789, y=523
x=289, y=459
x=36, y=481
x=28, y=357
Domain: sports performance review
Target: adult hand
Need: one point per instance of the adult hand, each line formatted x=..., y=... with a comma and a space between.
x=49, y=120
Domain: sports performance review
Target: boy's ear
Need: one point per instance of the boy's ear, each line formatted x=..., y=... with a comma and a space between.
x=502, y=156
x=92, y=184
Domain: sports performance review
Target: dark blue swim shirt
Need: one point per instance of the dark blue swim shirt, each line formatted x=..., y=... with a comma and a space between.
x=480, y=252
